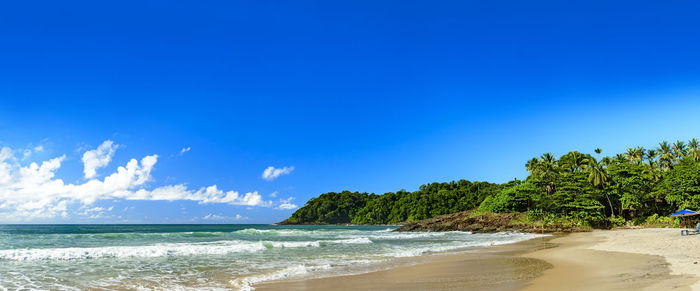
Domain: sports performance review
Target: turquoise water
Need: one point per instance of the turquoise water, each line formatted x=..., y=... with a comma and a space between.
x=180, y=257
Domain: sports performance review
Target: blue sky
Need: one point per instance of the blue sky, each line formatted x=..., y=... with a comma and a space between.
x=369, y=96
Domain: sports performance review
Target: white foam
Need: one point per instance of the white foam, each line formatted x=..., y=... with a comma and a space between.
x=357, y=240
x=253, y=230
x=485, y=240
x=163, y=250
x=318, y=243
x=159, y=250
x=292, y=244
x=249, y=256
x=245, y=283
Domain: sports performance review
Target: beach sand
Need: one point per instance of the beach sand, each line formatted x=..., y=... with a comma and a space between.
x=633, y=259
x=495, y=268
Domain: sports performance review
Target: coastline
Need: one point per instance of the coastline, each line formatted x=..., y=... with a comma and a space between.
x=470, y=269
x=627, y=259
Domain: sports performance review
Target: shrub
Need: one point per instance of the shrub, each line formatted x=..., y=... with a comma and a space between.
x=617, y=221
x=655, y=220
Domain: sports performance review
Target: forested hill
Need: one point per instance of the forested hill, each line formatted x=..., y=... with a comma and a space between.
x=362, y=208
x=640, y=185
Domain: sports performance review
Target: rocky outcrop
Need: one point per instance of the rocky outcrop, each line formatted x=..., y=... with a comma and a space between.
x=485, y=222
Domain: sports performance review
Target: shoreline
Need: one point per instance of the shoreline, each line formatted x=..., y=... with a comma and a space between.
x=472, y=269
x=626, y=259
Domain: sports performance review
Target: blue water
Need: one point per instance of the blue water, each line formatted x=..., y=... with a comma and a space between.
x=168, y=257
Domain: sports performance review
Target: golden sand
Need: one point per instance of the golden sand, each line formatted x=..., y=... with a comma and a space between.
x=495, y=268
x=637, y=259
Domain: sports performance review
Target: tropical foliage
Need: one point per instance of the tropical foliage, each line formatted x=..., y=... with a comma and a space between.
x=589, y=189
x=635, y=184
x=361, y=208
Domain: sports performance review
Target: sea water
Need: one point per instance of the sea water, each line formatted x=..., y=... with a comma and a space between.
x=208, y=257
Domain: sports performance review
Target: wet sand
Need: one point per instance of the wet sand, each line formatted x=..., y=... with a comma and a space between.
x=495, y=268
x=601, y=260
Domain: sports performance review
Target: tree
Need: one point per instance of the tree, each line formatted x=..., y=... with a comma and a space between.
x=694, y=149
x=681, y=185
x=598, y=176
x=635, y=155
x=546, y=171
x=531, y=165
x=578, y=186
x=651, y=154
x=573, y=162
x=679, y=150
x=666, y=157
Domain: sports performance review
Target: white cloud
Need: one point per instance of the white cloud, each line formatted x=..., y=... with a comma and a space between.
x=286, y=204
x=28, y=151
x=272, y=173
x=95, y=212
x=33, y=192
x=184, y=150
x=6, y=154
x=204, y=195
x=98, y=158
x=218, y=217
x=274, y=194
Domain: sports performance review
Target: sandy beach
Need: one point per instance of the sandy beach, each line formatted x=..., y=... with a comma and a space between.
x=630, y=259
x=496, y=268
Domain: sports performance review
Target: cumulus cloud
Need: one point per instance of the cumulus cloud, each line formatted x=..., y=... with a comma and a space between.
x=98, y=158
x=33, y=192
x=272, y=173
x=286, y=204
x=184, y=150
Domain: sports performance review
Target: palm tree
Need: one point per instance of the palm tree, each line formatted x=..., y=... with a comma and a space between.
x=651, y=171
x=651, y=154
x=665, y=155
x=598, y=151
x=620, y=158
x=679, y=149
x=573, y=162
x=546, y=170
x=630, y=154
x=635, y=155
x=597, y=173
x=694, y=149
x=532, y=164
x=598, y=176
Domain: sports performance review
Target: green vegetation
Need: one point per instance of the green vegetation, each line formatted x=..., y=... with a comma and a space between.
x=641, y=185
x=361, y=208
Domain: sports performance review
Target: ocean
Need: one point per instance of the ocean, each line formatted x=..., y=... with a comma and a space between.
x=209, y=257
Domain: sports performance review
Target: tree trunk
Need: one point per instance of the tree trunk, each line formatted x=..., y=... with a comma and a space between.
x=612, y=211
x=621, y=209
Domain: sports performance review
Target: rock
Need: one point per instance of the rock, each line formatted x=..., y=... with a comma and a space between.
x=482, y=222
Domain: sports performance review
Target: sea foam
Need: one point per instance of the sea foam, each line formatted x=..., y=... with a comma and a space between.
x=245, y=283
x=162, y=250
